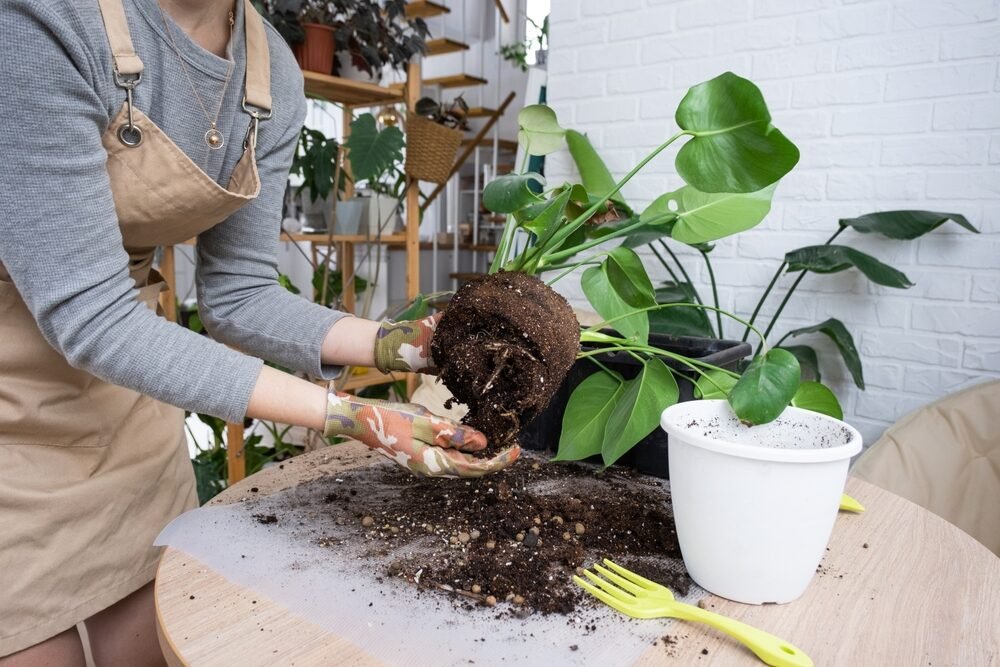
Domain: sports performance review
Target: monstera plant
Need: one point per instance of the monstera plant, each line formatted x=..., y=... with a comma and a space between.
x=730, y=157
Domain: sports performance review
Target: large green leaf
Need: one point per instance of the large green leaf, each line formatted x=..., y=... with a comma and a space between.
x=714, y=384
x=705, y=216
x=818, y=398
x=594, y=174
x=545, y=223
x=511, y=192
x=734, y=147
x=679, y=321
x=372, y=153
x=766, y=387
x=841, y=337
x=587, y=414
x=808, y=361
x=637, y=411
x=610, y=305
x=628, y=277
x=904, y=225
x=540, y=133
x=836, y=258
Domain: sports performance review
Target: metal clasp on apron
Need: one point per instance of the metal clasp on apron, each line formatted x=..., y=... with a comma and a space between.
x=255, y=118
x=130, y=134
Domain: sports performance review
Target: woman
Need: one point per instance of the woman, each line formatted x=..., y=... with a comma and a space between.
x=130, y=124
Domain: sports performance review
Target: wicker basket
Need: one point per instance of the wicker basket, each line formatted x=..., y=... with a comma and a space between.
x=430, y=149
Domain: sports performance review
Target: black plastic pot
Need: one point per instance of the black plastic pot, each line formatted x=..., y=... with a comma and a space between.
x=649, y=455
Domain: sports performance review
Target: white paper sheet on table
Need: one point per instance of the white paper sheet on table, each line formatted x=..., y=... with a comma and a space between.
x=389, y=619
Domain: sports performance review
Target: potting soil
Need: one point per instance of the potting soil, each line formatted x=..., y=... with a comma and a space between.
x=472, y=569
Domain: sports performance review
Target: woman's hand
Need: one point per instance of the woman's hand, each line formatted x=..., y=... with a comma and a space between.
x=412, y=436
x=406, y=346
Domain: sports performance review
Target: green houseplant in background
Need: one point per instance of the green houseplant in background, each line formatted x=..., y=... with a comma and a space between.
x=374, y=34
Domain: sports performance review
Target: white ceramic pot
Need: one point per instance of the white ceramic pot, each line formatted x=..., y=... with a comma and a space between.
x=349, y=212
x=755, y=507
x=382, y=215
x=316, y=213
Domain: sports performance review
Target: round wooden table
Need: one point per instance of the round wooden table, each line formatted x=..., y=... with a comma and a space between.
x=898, y=586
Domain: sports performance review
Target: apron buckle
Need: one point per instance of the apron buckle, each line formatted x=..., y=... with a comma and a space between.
x=130, y=134
x=255, y=118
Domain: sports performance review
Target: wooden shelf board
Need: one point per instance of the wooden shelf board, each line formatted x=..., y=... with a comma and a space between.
x=346, y=91
x=455, y=81
x=425, y=9
x=480, y=247
x=321, y=237
x=442, y=45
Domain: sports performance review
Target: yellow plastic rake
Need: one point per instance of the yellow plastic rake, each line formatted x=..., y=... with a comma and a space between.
x=639, y=597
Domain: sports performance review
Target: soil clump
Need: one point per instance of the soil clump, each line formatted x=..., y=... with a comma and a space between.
x=504, y=346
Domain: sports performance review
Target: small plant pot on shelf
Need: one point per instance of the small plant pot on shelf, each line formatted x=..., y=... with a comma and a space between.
x=755, y=506
x=430, y=149
x=349, y=213
x=649, y=455
x=315, y=53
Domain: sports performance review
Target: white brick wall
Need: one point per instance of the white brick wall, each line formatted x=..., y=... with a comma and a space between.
x=894, y=104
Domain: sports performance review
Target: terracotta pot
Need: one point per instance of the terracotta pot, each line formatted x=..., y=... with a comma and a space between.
x=315, y=53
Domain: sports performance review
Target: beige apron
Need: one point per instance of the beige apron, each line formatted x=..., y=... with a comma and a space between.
x=90, y=472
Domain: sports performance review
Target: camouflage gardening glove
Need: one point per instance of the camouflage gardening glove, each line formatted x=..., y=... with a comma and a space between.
x=412, y=436
x=406, y=346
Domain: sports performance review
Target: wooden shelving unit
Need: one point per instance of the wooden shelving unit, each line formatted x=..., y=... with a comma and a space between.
x=442, y=45
x=319, y=237
x=505, y=144
x=424, y=9
x=481, y=112
x=455, y=81
x=345, y=91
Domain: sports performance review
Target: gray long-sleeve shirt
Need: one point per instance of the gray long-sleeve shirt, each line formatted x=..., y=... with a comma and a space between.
x=59, y=236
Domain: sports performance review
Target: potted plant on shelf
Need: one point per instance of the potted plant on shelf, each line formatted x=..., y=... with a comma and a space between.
x=315, y=52
x=376, y=157
x=434, y=132
x=372, y=35
x=316, y=162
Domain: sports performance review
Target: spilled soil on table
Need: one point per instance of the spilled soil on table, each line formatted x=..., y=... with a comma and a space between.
x=503, y=346
x=512, y=540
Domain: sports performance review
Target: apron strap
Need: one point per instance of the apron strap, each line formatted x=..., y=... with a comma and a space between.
x=258, y=75
x=116, y=26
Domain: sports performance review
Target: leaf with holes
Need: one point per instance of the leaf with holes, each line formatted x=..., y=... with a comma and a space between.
x=587, y=414
x=818, y=398
x=637, y=411
x=841, y=337
x=766, y=387
x=904, y=225
x=540, y=132
x=733, y=146
x=511, y=192
x=836, y=258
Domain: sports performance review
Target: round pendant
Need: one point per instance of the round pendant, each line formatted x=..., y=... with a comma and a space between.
x=214, y=139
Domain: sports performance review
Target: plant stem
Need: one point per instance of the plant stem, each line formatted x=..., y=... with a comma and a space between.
x=715, y=289
x=559, y=238
x=694, y=364
x=624, y=231
x=760, y=303
x=503, y=248
x=600, y=325
x=684, y=273
x=666, y=266
x=574, y=267
x=791, y=290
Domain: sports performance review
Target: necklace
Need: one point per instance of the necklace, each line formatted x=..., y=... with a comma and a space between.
x=213, y=138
